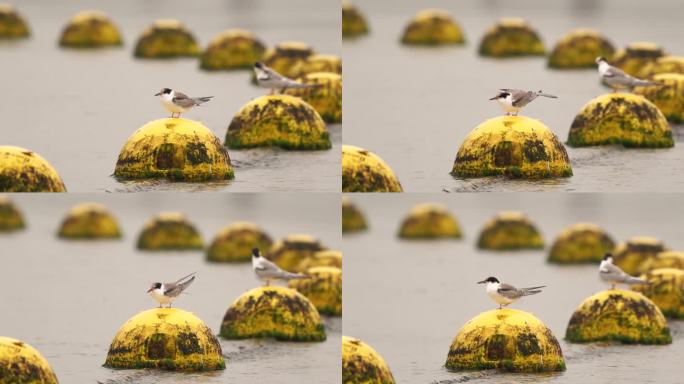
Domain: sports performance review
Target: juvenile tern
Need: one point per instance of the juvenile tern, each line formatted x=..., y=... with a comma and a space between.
x=266, y=270
x=613, y=275
x=267, y=77
x=617, y=79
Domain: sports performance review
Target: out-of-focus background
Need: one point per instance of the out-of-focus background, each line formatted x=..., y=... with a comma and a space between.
x=413, y=106
x=77, y=107
x=408, y=299
x=68, y=298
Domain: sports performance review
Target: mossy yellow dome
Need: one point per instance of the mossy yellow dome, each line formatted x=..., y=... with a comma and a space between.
x=12, y=24
x=433, y=27
x=11, y=218
x=278, y=312
x=361, y=364
x=507, y=340
x=353, y=22
x=90, y=29
x=581, y=243
x=290, y=252
x=510, y=230
x=514, y=146
x=666, y=289
x=320, y=63
x=579, y=48
x=364, y=171
x=324, y=258
x=616, y=315
x=234, y=242
x=22, y=170
x=174, y=149
x=668, y=96
x=232, y=49
x=325, y=94
x=511, y=37
x=283, y=121
x=663, y=64
x=169, y=231
x=353, y=219
x=323, y=287
x=165, y=338
x=287, y=58
x=631, y=254
x=429, y=221
x=636, y=56
x=20, y=363
x=620, y=118
x=665, y=259
x=166, y=38
x=89, y=221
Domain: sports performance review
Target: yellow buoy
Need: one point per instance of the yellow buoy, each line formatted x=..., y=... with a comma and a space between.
x=631, y=254
x=581, y=243
x=278, y=312
x=234, y=242
x=169, y=231
x=663, y=64
x=324, y=258
x=620, y=118
x=90, y=29
x=89, y=221
x=323, y=287
x=232, y=49
x=287, y=58
x=511, y=37
x=174, y=149
x=12, y=24
x=361, y=364
x=292, y=250
x=165, y=338
x=430, y=221
x=433, y=27
x=506, y=340
x=320, y=63
x=665, y=259
x=353, y=219
x=166, y=39
x=616, y=315
x=20, y=363
x=579, y=48
x=325, y=94
x=510, y=231
x=283, y=121
x=666, y=288
x=668, y=96
x=11, y=218
x=353, y=22
x=22, y=170
x=364, y=171
x=636, y=56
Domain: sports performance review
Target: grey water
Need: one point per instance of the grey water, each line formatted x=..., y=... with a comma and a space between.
x=414, y=106
x=76, y=108
x=408, y=299
x=69, y=298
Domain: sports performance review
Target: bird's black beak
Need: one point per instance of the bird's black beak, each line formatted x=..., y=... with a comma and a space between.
x=494, y=98
x=483, y=281
x=157, y=94
x=150, y=290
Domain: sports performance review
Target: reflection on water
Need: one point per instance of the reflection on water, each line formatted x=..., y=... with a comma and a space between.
x=417, y=105
x=68, y=298
x=408, y=299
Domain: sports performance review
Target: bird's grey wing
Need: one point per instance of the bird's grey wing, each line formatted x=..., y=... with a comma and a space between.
x=175, y=289
x=273, y=75
x=269, y=266
x=615, y=72
x=613, y=272
x=183, y=100
x=508, y=291
x=522, y=98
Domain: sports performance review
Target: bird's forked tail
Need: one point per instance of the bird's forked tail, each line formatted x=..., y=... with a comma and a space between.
x=540, y=93
x=532, y=290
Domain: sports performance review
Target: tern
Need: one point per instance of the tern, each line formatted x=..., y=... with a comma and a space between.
x=266, y=270
x=505, y=294
x=617, y=79
x=165, y=293
x=177, y=102
x=613, y=275
x=514, y=100
x=267, y=77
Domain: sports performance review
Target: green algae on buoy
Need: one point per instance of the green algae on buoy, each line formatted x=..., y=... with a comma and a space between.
x=364, y=171
x=353, y=22
x=282, y=121
x=323, y=287
x=174, y=149
x=510, y=231
x=620, y=118
x=22, y=170
x=361, y=364
x=666, y=289
x=663, y=64
x=325, y=94
x=11, y=218
x=234, y=242
x=665, y=259
x=272, y=311
x=324, y=258
x=287, y=58
x=433, y=27
x=166, y=39
x=668, y=96
x=320, y=63
x=165, y=338
x=636, y=56
x=581, y=243
x=631, y=254
x=12, y=24
x=232, y=49
x=169, y=231
x=513, y=146
x=20, y=363
x=579, y=48
x=289, y=252
x=90, y=29
x=89, y=221
x=507, y=340
x=511, y=37
x=430, y=221
x=353, y=219
x=615, y=315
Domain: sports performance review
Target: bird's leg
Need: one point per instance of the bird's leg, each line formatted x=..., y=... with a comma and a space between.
x=500, y=306
x=272, y=91
x=612, y=286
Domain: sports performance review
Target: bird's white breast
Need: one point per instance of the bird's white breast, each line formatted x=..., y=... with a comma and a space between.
x=603, y=68
x=167, y=102
x=507, y=104
x=492, y=291
x=158, y=295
